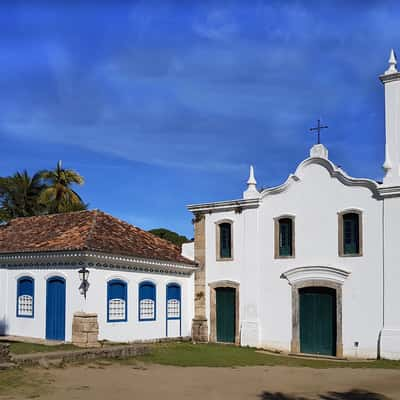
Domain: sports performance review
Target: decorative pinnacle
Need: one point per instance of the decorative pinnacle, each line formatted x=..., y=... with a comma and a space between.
x=252, y=179
x=392, y=63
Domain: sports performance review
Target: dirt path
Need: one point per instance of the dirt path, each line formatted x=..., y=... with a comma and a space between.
x=154, y=382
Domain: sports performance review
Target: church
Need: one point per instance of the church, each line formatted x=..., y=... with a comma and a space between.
x=311, y=265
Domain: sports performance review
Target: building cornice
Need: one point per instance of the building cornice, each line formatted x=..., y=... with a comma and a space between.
x=90, y=259
x=385, y=78
x=389, y=191
x=231, y=205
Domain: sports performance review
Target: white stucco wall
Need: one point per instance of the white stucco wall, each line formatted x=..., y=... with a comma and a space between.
x=96, y=302
x=188, y=250
x=390, y=346
x=265, y=298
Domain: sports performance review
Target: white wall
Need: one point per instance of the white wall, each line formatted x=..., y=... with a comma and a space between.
x=265, y=298
x=96, y=302
x=188, y=250
x=390, y=347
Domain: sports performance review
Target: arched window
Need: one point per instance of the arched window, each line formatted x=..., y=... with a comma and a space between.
x=25, y=297
x=116, y=301
x=147, y=301
x=284, y=237
x=224, y=241
x=173, y=301
x=350, y=234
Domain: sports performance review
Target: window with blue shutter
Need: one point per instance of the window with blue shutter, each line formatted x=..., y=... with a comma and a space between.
x=351, y=234
x=285, y=237
x=173, y=301
x=225, y=240
x=25, y=297
x=116, y=301
x=147, y=301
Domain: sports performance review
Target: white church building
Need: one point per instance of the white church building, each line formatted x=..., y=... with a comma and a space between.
x=310, y=266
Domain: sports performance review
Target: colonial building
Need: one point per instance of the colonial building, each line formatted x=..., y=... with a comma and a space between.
x=309, y=266
x=85, y=276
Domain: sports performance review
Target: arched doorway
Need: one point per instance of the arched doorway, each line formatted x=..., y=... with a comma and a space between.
x=55, y=308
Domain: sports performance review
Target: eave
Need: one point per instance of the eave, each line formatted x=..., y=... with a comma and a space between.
x=92, y=259
x=231, y=205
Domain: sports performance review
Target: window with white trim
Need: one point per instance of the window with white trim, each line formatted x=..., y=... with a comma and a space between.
x=147, y=301
x=25, y=297
x=116, y=301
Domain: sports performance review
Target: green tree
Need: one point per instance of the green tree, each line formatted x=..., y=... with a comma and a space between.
x=19, y=194
x=171, y=236
x=58, y=195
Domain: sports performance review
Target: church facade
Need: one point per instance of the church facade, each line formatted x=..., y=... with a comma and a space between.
x=310, y=266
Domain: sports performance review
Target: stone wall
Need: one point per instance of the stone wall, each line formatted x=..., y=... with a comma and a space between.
x=85, y=330
x=124, y=351
x=199, y=324
x=4, y=353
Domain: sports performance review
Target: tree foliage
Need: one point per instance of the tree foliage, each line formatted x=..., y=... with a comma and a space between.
x=46, y=192
x=171, y=236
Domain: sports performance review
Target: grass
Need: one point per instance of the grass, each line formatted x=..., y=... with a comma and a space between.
x=28, y=383
x=27, y=348
x=217, y=355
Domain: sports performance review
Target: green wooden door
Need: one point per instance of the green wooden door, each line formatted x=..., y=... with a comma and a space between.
x=225, y=309
x=318, y=321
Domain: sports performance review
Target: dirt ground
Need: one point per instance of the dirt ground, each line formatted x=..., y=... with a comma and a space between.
x=154, y=382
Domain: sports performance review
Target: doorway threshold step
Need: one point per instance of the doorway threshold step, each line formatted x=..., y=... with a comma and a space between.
x=317, y=356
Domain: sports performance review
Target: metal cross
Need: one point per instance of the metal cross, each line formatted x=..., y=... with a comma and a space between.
x=318, y=128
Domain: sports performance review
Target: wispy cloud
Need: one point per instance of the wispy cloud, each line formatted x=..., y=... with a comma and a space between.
x=194, y=91
x=216, y=25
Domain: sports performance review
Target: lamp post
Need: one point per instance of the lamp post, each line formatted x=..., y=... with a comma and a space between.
x=84, y=276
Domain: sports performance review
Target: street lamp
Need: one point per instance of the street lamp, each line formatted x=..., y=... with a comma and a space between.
x=84, y=276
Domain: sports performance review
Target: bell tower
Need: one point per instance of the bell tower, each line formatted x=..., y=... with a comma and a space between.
x=391, y=82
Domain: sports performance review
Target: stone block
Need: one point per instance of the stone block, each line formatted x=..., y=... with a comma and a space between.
x=85, y=330
x=200, y=330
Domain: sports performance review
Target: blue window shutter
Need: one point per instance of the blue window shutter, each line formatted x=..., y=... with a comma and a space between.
x=25, y=287
x=173, y=302
x=173, y=292
x=147, y=291
x=147, y=301
x=117, y=289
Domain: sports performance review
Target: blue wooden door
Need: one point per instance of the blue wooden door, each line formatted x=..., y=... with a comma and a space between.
x=55, y=309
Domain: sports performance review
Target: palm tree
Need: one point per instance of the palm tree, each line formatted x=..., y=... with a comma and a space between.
x=19, y=195
x=58, y=196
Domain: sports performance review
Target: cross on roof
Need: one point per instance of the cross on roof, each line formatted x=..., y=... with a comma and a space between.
x=318, y=128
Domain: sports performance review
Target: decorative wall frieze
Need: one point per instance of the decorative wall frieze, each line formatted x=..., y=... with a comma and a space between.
x=73, y=260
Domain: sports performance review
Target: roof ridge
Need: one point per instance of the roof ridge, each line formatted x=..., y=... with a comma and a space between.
x=92, y=228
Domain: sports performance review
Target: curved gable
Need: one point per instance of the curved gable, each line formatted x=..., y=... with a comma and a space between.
x=334, y=172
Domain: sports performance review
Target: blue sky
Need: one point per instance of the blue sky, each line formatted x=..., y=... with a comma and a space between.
x=163, y=104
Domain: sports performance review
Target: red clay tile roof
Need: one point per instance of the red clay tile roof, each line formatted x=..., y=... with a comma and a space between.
x=85, y=230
